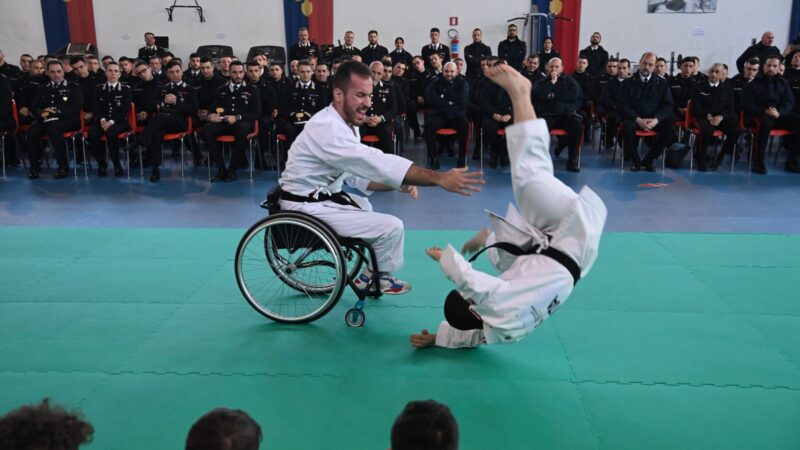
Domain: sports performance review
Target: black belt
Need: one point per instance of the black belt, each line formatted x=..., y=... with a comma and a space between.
x=557, y=255
x=340, y=198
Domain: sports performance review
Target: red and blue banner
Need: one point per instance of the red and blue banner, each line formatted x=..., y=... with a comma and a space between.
x=68, y=21
x=565, y=32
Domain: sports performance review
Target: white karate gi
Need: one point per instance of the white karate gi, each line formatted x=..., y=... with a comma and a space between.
x=328, y=153
x=530, y=287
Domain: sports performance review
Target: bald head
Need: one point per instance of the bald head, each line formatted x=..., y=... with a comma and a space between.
x=376, y=71
x=767, y=38
x=647, y=64
x=449, y=71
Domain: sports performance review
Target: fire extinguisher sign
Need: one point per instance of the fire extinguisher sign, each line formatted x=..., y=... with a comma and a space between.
x=453, y=21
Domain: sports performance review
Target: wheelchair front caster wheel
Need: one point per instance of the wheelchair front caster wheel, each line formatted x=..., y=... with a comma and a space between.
x=355, y=317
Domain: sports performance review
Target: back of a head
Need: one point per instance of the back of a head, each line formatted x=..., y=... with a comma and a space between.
x=224, y=429
x=43, y=427
x=425, y=425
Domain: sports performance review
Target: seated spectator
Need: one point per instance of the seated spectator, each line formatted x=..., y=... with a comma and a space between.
x=399, y=54
x=418, y=80
x=56, y=108
x=588, y=85
x=661, y=68
x=380, y=116
x=224, y=429
x=557, y=99
x=713, y=109
x=531, y=69
x=680, y=87
x=44, y=427
x=234, y=110
x=446, y=102
x=644, y=103
x=606, y=105
x=768, y=100
x=424, y=425
x=300, y=102
x=112, y=104
x=742, y=79
x=547, y=53
x=759, y=50
x=8, y=69
x=497, y=115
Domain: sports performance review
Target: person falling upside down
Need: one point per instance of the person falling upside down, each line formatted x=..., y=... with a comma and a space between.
x=540, y=250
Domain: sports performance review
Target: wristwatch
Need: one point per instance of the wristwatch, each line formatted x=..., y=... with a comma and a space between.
x=238, y=118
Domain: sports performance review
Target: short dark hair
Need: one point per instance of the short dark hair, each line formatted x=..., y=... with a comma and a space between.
x=778, y=57
x=233, y=63
x=434, y=29
x=661, y=59
x=224, y=429
x=139, y=62
x=91, y=56
x=753, y=61
x=114, y=63
x=194, y=55
x=206, y=59
x=152, y=57
x=625, y=61
x=150, y=33
x=399, y=38
x=252, y=63
x=168, y=54
x=425, y=425
x=346, y=70
x=54, y=62
x=172, y=64
x=123, y=59
x=108, y=57
x=371, y=31
x=30, y=425
x=76, y=60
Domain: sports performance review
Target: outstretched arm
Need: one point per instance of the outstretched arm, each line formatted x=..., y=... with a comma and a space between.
x=454, y=180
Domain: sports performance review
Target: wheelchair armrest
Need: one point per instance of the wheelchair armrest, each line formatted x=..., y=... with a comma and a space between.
x=271, y=203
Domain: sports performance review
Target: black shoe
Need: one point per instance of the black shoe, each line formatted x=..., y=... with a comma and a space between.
x=118, y=172
x=792, y=167
x=231, y=175
x=102, y=171
x=572, y=166
x=702, y=164
x=559, y=149
x=461, y=163
x=155, y=175
x=759, y=168
x=648, y=166
x=220, y=176
x=61, y=173
x=476, y=156
x=504, y=161
x=493, y=162
x=33, y=174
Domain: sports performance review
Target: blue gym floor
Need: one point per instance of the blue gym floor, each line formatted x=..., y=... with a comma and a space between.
x=118, y=299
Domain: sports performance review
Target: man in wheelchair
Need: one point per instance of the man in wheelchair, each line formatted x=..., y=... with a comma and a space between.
x=329, y=153
x=541, y=251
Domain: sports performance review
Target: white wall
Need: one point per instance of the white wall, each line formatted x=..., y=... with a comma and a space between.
x=630, y=31
x=21, y=29
x=121, y=25
x=413, y=20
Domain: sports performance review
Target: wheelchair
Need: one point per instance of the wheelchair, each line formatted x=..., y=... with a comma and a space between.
x=293, y=268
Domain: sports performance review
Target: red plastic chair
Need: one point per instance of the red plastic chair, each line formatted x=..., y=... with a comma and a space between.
x=279, y=138
x=230, y=139
x=4, y=134
x=124, y=135
x=372, y=139
x=179, y=136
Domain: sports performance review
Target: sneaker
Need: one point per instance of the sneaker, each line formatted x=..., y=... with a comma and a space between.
x=389, y=284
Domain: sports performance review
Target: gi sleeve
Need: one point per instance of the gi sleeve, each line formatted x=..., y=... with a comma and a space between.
x=447, y=336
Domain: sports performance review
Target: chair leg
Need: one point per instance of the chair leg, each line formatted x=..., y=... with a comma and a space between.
x=182, y=156
x=3, y=152
x=252, y=160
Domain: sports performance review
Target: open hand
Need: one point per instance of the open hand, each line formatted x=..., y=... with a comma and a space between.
x=460, y=181
x=423, y=339
x=410, y=190
x=476, y=243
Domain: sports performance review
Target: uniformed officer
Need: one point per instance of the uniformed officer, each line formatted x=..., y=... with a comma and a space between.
x=681, y=87
x=57, y=108
x=126, y=67
x=474, y=53
x=88, y=83
x=236, y=107
x=6, y=117
x=95, y=71
x=557, y=99
x=547, y=53
x=144, y=93
x=512, y=50
x=346, y=49
x=9, y=70
x=769, y=100
x=150, y=48
x=742, y=79
x=446, y=107
x=596, y=56
x=25, y=91
x=713, y=109
x=176, y=102
x=301, y=101
x=269, y=103
x=373, y=51
x=588, y=85
x=495, y=106
x=112, y=104
x=304, y=48
x=192, y=75
x=399, y=54
x=759, y=50
x=435, y=47
x=380, y=116
x=156, y=68
x=608, y=87
x=531, y=70
x=418, y=79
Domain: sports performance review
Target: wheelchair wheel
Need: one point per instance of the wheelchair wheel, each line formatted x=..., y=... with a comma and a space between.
x=290, y=268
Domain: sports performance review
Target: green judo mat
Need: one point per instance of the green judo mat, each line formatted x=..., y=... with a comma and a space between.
x=673, y=341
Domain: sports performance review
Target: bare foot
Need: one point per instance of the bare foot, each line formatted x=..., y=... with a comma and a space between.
x=476, y=242
x=509, y=79
x=422, y=340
